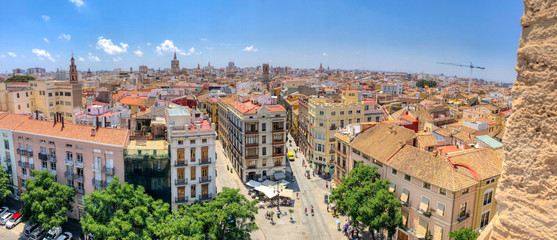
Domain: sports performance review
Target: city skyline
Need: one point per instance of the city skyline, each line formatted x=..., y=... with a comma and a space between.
x=408, y=37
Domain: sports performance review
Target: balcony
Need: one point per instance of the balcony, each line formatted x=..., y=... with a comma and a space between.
x=331, y=151
x=278, y=129
x=96, y=167
x=180, y=182
x=332, y=139
x=29, y=153
x=79, y=164
x=203, y=197
x=205, y=161
x=53, y=172
x=68, y=161
x=181, y=163
x=251, y=131
x=333, y=127
x=252, y=166
x=21, y=151
x=463, y=216
x=108, y=170
x=79, y=190
x=426, y=213
x=253, y=144
x=69, y=175
x=26, y=165
x=43, y=156
x=278, y=154
x=181, y=200
x=341, y=152
x=7, y=160
x=52, y=157
x=204, y=179
x=78, y=178
x=98, y=183
x=279, y=141
x=252, y=156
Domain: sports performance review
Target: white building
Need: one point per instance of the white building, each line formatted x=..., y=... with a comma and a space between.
x=7, y=153
x=192, y=137
x=392, y=88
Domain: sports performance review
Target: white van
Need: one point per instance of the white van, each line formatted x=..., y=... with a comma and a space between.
x=38, y=234
x=53, y=233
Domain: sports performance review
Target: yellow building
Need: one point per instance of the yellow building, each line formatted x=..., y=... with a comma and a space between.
x=212, y=111
x=325, y=116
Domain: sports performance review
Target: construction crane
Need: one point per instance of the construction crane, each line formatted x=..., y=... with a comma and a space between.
x=471, y=66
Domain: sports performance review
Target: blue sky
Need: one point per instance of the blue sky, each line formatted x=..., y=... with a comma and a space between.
x=375, y=35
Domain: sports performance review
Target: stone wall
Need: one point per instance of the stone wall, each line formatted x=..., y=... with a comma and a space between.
x=527, y=191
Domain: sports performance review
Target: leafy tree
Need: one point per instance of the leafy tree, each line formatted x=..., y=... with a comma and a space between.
x=46, y=202
x=5, y=188
x=229, y=216
x=423, y=83
x=20, y=78
x=366, y=200
x=464, y=234
x=122, y=212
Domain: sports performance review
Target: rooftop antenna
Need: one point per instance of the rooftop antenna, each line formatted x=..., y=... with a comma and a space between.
x=471, y=66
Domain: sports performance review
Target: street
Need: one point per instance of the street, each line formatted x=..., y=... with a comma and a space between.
x=311, y=193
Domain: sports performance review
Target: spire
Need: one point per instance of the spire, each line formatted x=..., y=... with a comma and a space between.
x=174, y=55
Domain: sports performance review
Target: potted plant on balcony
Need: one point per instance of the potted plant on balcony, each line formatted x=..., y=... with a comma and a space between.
x=428, y=235
x=428, y=212
x=291, y=211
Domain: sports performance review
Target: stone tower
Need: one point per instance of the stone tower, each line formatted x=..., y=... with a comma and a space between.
x=526, y=194
x=266, y=78
x=175, y=64
x=73, y=72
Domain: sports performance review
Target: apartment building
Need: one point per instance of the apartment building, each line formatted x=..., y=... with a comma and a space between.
x=46, y=96
x=7, y=152
x=256, y=139
x=324, y=117
x=440, y=192
x=192, y=138
x=81, y=157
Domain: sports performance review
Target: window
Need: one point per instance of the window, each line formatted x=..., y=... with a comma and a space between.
x=350, y=112
x=405, y=195
x=321, y=113
x=358, y=111
x=264, y=139
x=333, y=113
x=426, y=185
x=424, y=204
x=180, y=142
x=192, y=173
x=407, y=177
x=264, y=151
x=204, y=140
x=392, y=187
x=442, y=191
x=441, y=209
x=180, y=156
x=485, y=219
x=192, y=141
x=264, y=162
x=462, y=209
x=394, y=171
x=263, y=127
x=68, y=94
x=321, y=123
x=55, y=94
x=192, y=154
x=193, y=190
x=487, y=197
x=465, y=191
x=6, y=144
x=109, y=152
x=17, y=95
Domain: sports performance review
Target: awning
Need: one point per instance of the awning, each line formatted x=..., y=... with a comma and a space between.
x=424, y=204
x=268, y=183
x=392, y=187
x=253, y=183
x=404, y=217
x=287, y=193
x=441, y=209
x=438, y=235
x=270, y=193
x=422, y=228
x=279, y=176
x=404, y=195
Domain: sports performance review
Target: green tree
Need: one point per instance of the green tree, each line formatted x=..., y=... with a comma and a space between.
x=464, y=234
x=230, y=216
x=122, y=211
x=20, y=78
x=423, y=83
x=5, y=188
x=366, y=200
x=45, y=201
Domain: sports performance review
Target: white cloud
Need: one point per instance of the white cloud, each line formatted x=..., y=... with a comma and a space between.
x=93, y=58
x=78, y=3
x=42, y=53
x=12, y=54
x=168, y=46
x=65, y=36
x=148, y=44
x=139, y=53
x=81, y=59
x=117, y=59
x=46, y=40
x=324, y=54
x=45, y=18
x=250, y=49
x=111, y=48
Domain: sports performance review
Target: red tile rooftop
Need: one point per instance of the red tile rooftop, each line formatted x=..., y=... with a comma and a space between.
x=205, y=126
x=23, y=123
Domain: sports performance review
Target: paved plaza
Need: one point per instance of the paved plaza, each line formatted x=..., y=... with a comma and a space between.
x=311, y=192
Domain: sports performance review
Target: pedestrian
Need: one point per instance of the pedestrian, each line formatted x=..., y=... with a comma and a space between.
x=352, y=233
x=327, y=207
x=326, y=184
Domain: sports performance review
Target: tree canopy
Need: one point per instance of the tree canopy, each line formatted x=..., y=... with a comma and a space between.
x=5, y=188
x=20, y=78
x=423, y=83
x=366, y=200
x=229, y=216
x=45, y=201
x=122, y=211
x=464, y=234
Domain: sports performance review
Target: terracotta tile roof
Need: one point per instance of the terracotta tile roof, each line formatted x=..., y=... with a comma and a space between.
x=245, y=108
x=275, y=108
x=137, y=101
x=22, y=123
x=445, y=132
x=426, y=139
x=382, y=140
x=436, y=170
x=486, y=162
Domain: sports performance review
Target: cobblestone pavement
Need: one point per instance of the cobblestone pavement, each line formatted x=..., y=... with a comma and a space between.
x=311, y=192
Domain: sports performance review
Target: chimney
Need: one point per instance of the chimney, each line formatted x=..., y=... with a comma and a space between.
x=37, y=114
x=93, y=130
x=97, y=122
x=62, y=120
x=54, y=120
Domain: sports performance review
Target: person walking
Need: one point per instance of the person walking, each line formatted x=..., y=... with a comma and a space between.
x=326, y=184
x=327, y=207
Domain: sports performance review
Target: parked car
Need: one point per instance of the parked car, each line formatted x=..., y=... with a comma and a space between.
x=53, y=233
x=65, y=236
x=5, y=217
x=14, y=220
x=38, y=234
x=30, y=228
x=3, y=210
